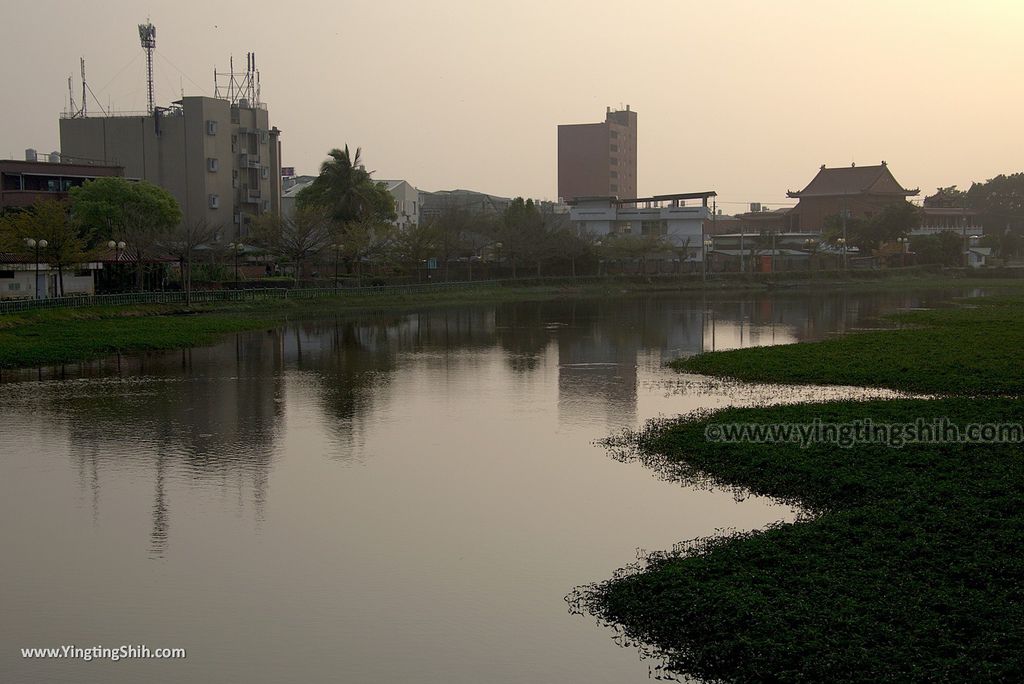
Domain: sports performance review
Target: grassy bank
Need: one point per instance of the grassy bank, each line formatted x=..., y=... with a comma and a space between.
x=908, y=569
x=58, y=336
x=975, y=350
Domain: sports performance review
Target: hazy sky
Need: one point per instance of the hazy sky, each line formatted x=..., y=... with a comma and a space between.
x=747, y=98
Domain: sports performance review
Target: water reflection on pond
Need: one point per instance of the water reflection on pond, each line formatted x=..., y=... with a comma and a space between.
x=399, y=496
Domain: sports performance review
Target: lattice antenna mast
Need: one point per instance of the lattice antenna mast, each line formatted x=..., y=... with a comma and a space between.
x=147, y=36
x=240, y=85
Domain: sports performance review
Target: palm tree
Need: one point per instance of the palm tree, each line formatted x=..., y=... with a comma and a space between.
x=345, y=188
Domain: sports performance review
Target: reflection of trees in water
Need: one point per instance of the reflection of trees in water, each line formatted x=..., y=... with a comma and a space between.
x=210, y=414
x=351, y=362
x=214, y=414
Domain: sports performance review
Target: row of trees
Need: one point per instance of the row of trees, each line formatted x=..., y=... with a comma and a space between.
x=347, y=216
x=142, y=216
x=998, y=204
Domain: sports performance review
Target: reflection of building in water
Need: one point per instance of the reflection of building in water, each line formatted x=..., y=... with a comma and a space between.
x=205, y=415
x=213, y=415
x=597, y=360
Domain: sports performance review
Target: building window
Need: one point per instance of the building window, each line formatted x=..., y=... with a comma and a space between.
x=212, y=164
x=654, y=228
x=264, y=172
x=613, y=187
x=614, y=148
x=211, y=128
x=614, y=134
x=214, y=201
x=614, y=161
x=613, y=174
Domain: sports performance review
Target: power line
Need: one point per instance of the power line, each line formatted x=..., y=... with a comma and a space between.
x=120, y=71
x=189, y=78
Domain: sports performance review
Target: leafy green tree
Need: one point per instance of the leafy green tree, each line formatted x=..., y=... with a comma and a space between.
x=136, y=212
x=451, y=228
x=833, y=228
x=415, y=244
x=8, y=241
x=569, y=242
x=1000, y=203
x=347, y=190
x=894, y=221
x=946, y=198
x=50, y=220
x=521, y=223
x=635, y=248
x=945, y=248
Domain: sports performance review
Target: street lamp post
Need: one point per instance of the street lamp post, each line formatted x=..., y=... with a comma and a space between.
x=842, y=244
x=337, y=252
x=118, y=248
x=36, y=245
x=708, y=244
x=235, y=248
x=809, y=245
x=903, y=243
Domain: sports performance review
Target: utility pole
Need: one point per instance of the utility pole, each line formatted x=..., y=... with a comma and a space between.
x=842, y=215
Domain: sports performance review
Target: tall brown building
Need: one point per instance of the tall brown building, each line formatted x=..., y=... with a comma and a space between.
x=598, y=159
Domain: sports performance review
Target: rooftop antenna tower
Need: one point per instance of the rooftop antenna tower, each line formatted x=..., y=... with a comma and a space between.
x=147, y=36
x=85, y=107
x=241, y=86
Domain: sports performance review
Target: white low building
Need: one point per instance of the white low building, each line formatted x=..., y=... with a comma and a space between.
x=407, y=202
x=670, y=217
x=19, y=279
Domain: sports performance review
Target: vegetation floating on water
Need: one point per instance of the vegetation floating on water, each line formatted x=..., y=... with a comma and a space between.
x=905, y=566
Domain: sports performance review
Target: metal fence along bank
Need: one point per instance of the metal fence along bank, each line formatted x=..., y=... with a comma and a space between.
x=266, y=293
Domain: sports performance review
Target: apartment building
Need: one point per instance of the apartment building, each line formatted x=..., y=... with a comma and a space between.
x=219, y=157
x=598, y=159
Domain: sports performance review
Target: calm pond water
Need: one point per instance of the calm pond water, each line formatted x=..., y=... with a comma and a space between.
x=394, y=497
